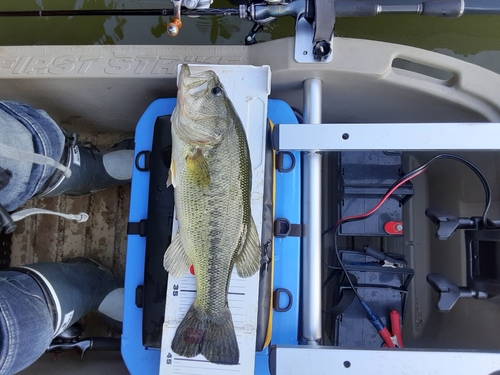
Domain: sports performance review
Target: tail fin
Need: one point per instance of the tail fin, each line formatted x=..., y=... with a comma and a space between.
x=212, y=336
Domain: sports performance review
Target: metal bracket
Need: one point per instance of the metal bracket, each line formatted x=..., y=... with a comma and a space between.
x=304, y=43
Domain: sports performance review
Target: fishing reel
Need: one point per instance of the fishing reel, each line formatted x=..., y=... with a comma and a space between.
x=266, y=12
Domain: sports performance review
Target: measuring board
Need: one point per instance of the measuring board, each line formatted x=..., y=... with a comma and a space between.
x=248, y=88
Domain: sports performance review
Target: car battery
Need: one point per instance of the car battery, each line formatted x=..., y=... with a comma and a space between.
x=382, y=285
x=365, y=177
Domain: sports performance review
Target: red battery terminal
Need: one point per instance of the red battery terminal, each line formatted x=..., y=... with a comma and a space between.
x=393, y=227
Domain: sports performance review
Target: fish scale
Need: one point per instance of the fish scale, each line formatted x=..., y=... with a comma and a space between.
x=211, y=175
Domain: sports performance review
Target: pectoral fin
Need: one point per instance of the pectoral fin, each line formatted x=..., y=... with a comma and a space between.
x=171, y=180
x=175, y=259
x=248, y=259
x=197, y=169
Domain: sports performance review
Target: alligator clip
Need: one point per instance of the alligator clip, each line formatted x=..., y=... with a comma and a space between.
x=391, y=340
x=384, y=259
x=396, y=329
x=396, y=337
x=379, y=326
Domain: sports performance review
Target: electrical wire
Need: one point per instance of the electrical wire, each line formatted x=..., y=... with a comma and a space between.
x=410, y=175
x=405, y=178
x=367, y=214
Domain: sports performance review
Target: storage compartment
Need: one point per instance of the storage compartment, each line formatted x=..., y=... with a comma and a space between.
x=452, y=188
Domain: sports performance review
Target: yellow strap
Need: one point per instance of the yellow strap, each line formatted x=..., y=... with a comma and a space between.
x=269, y=333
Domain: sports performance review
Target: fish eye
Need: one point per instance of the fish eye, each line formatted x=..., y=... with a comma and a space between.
x=217, y=91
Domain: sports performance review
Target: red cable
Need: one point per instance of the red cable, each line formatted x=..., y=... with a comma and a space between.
x=382, y=201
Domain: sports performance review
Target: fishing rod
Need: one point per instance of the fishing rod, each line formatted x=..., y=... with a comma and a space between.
x=343, y=8
x=119, y=12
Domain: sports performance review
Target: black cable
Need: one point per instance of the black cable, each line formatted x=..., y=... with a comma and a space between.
x=484, y=181
x=337, y=253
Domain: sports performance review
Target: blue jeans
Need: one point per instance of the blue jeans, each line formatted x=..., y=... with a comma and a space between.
x=28, y=129
x=26, y=328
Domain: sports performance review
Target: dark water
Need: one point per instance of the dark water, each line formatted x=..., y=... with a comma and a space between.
x=473, y=38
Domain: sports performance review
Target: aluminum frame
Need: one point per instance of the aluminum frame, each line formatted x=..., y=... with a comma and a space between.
x=388, y=137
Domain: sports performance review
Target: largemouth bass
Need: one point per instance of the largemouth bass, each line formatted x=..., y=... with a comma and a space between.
x=211, y=175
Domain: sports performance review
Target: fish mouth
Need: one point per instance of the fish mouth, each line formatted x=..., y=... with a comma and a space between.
x=194, y=84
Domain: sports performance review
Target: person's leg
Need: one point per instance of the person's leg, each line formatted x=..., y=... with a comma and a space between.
x=91, y=169
x=39, y=301
x=32, y=130
x=76, y=286
x=26, y=327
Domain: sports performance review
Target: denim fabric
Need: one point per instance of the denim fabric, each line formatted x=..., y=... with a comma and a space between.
x=32, y=129
x=25, y=322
